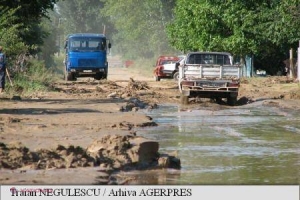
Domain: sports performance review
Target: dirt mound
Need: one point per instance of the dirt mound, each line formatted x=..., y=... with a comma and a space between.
x=133, y=89
x=295, y=94
x=258, y=81
x=15, y=156
x=111, y=85
x=112, y=152
x=75, y=90
x=134, y=86
x=129, y=126
x=128, y=151
x=134, y=104
x=268, y=88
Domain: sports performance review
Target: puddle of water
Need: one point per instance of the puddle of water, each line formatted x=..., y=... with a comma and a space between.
x=239, y=145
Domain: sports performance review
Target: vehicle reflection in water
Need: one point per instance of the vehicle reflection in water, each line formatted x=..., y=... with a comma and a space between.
x=252, y=144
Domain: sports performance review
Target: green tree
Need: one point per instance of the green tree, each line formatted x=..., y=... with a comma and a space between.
x=140, y=26
x=82, y=16
x=28, y=14
x=22, y=30
x=10, y=38
x=212, y=25
x=259, y=27
x=53, y=41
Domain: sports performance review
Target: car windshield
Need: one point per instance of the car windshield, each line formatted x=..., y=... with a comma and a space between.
x=164, y=62
x=87, y=44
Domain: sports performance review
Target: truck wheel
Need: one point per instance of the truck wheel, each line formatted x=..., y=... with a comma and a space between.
x=157, y=78
x=231, y=100
x=98, y=76
x=219, y=100
x=184, y=100
x=69, y=76
x=104, y=76
x=176, y=76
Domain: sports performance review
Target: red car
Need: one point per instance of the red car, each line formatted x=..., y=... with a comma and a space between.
x=167, y=67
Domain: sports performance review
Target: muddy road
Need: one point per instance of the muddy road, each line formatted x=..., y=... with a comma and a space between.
x=79, y=113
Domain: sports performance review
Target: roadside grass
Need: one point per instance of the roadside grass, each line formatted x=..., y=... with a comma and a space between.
x=36, y=78
x=58, y=69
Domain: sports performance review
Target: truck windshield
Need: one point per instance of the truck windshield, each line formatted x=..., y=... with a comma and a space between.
x=87, y=44
x=217, y=59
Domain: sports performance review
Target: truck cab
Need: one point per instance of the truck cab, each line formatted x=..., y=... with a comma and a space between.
x=86, y=56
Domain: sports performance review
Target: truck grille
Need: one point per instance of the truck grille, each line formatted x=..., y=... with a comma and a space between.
x=87, y=62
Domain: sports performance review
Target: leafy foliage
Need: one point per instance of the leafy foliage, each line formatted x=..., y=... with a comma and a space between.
x=28, y=15
x=9, y=32
x=22, y=35
x=145, y=29
x=241, y=27
x=35, y=78
x=87, y=19
x=213, y=25
x=140, y=26
x=10, y=38
x=21, y=31
x=52, y=42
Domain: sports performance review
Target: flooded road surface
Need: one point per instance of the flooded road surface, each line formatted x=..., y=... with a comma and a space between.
x=251, y=144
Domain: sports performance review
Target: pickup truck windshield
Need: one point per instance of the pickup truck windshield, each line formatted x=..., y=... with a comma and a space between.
x=87, y=44
x=216, y=59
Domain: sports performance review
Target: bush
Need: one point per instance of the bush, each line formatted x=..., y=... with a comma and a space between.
x=59, y=65
x=37, y=78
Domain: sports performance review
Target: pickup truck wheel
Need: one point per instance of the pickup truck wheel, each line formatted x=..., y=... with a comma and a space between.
x=219, y=100
x=184, y=100
x=231, y=101
x=176, y=76
x=157, y=78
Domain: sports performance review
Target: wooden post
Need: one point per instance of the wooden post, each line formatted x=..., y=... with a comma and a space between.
x=291, y=63
x=11, y=84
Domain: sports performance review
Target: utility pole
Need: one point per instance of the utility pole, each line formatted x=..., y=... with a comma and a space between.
x=104, y=29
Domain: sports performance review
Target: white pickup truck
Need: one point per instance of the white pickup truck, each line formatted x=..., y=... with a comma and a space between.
x=209, y=75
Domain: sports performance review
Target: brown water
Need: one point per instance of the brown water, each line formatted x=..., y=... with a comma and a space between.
x=252, y=144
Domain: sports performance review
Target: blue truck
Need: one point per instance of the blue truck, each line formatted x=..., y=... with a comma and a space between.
x=86, y=56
